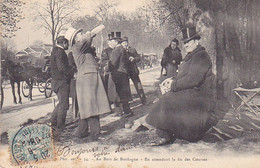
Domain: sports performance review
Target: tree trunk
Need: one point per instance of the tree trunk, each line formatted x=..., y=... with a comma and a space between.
x=220, y=51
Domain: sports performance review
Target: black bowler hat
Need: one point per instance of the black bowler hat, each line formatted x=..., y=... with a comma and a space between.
x=189, y=33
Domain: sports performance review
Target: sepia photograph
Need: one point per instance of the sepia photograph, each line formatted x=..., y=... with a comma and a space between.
x=130, y=83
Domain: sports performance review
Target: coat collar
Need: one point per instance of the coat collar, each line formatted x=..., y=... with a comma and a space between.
x=189, y=55
x=59, y=46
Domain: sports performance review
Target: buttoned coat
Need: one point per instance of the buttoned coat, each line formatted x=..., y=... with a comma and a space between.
x=60, y=69
x=132, y=67
x=187, y=110
x=118, y=67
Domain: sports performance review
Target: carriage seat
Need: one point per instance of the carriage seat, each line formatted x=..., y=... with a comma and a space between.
x=43, y=64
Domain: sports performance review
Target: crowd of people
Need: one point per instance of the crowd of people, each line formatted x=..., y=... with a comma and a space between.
x=96, y=86
x=100, y=85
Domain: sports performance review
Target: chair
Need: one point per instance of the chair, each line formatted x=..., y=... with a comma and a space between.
x=250, y=98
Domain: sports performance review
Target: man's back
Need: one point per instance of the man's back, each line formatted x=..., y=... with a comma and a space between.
x=59, y=63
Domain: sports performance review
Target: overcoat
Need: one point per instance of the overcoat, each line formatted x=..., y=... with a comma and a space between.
x=111, y=90
x=91, y=96
x=118, y=67
x=186, y=110
x=132, y=67
x=167, y=60
x=61, y=71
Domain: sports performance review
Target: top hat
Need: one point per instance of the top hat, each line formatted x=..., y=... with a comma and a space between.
x=117, y=37
x=189, y=33
x=125, y=39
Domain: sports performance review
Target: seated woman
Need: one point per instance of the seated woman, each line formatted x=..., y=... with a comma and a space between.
x=186, y=111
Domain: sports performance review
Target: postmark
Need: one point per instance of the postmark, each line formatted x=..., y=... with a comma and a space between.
x=31, y=144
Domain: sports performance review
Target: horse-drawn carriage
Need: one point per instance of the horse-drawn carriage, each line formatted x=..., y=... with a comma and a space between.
x=29, y=70
x=41, y=79
x=148, y=60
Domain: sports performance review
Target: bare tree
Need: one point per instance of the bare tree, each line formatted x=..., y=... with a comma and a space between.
x=11, y=14
x=104, y=10
x=55, y=15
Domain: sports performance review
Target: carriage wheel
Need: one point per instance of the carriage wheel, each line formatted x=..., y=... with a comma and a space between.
x=2, y=96
x=41, y=87
x=25, y=89
x=47, y=89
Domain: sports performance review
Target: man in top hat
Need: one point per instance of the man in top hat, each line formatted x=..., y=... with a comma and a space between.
x=187, y=111
x=105, y=57
x=132, y=70
x=118, y=67
x=61, y=75
x=106, y=73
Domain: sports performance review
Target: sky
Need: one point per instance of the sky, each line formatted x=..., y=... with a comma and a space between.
x=29, y=32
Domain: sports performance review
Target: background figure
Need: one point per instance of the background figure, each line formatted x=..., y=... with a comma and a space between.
x=106, y=73
x=187, y=111
x=91, y=96
x=118, y=67
x=171, y=60
x=61, y=75
x=132, y=69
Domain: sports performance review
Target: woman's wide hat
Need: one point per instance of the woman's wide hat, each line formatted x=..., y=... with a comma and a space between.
x=189, y=33
x=71, y=32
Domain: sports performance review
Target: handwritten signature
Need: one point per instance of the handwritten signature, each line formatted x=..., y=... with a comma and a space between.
x=66, y=150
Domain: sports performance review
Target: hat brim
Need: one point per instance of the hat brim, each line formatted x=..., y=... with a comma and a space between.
x=73, y=35
x=117, y=39
x=196, y=36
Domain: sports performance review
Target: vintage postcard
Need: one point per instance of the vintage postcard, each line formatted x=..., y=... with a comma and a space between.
x=130, y=84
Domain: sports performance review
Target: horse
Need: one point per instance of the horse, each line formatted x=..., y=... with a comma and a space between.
x=18, y=72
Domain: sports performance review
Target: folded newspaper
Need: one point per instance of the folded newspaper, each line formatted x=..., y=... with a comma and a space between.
x=165, y=86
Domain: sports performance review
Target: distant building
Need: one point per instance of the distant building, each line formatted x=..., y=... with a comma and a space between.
x=38, y=52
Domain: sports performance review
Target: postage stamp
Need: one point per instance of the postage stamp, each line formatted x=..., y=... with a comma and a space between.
x=31, y=144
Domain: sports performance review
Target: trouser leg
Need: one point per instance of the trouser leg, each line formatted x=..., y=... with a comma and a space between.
x=63, y=96
x=106, y=82
x=54, y=114
x=126, y=107
x=82, y=128
x=94, y=126
x=138, y=86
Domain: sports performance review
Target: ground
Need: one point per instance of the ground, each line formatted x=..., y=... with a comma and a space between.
x=237, y=132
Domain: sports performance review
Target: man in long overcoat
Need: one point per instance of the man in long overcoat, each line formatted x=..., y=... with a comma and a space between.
x=132, y=70
x=105, y=71
x=118, y=67
x=61, y=75
x=187, y=111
